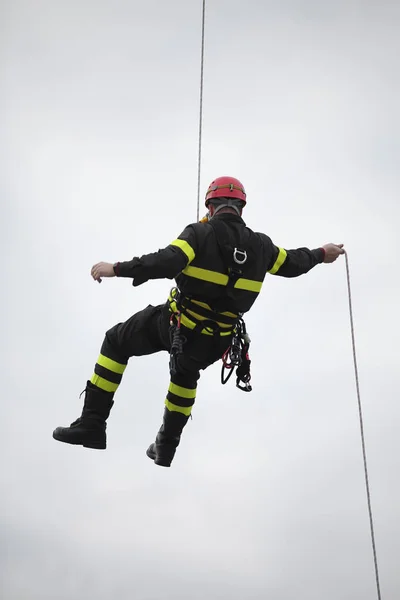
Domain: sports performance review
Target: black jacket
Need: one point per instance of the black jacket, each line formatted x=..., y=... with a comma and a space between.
x=222, y=263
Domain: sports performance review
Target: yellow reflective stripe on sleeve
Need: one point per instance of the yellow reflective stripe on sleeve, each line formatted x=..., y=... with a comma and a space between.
x=279, y=261
x=186, y=248
x=181, y=391
x=249, y=285
x=185, y=410
x=103, y=384
x=110, y=364
x=206, y=275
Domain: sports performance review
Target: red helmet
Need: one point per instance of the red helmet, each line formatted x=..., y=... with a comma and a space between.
x=225, y=187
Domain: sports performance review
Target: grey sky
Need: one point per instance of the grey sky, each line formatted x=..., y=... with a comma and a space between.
x=98, y=147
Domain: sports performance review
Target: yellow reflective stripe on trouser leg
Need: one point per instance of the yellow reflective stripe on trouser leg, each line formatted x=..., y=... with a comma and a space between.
x=182, y=391
x=180, y=399
x=186, y=248
x=111, y=365
x=279, y=261
x=185, y=410
x=103, y=384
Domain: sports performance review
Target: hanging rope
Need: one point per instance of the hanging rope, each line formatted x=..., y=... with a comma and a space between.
x=201, y=108
x=371, y=521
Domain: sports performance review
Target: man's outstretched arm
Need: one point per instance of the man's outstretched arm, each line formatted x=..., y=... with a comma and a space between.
x=292, y=263
x=164, y=264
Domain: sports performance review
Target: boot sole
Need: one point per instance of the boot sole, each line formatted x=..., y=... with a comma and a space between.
x=94, y=445
x=160, y=463
x=156, y=460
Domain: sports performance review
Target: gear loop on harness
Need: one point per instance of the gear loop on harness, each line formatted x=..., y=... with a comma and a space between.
x=237, y=355
x=177, y=339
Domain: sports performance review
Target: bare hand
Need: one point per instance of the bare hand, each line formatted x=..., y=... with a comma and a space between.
x=332, y=252
x=102, y=269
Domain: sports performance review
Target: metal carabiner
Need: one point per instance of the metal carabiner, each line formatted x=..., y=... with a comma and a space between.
x=238, y=260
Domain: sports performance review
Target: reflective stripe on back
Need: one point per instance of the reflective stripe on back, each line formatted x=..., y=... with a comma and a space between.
x=206, y=275
x=250, y=285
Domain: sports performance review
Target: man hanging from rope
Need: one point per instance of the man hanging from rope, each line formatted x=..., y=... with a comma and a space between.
x=219, y=266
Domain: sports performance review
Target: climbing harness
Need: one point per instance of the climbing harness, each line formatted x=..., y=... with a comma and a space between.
x=237, y=355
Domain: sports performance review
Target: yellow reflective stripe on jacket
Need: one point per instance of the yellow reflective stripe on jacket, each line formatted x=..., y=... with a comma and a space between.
x=185, y=410
x=183, y=392
x=206, y=275
x=110, y=364
x=249, y=285
x=186, y=248
x=279, y=261
x=103, y=384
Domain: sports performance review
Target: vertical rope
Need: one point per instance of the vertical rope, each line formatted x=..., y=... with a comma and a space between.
x=201, y=108
x=364, y=452
x=371, y=521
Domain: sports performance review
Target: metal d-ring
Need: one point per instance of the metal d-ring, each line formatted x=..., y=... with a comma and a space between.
x=238, y=260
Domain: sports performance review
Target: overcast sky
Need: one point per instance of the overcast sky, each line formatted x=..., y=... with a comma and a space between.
x=98, y=143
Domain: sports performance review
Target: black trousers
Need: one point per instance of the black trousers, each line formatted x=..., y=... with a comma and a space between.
x=147, y=332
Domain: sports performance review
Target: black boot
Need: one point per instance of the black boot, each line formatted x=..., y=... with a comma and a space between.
x=162, y=451
x=90, y=429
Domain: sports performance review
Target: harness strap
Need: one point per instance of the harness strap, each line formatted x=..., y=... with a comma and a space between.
x=188, y=304
x=233, y=258
x=209, y=324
